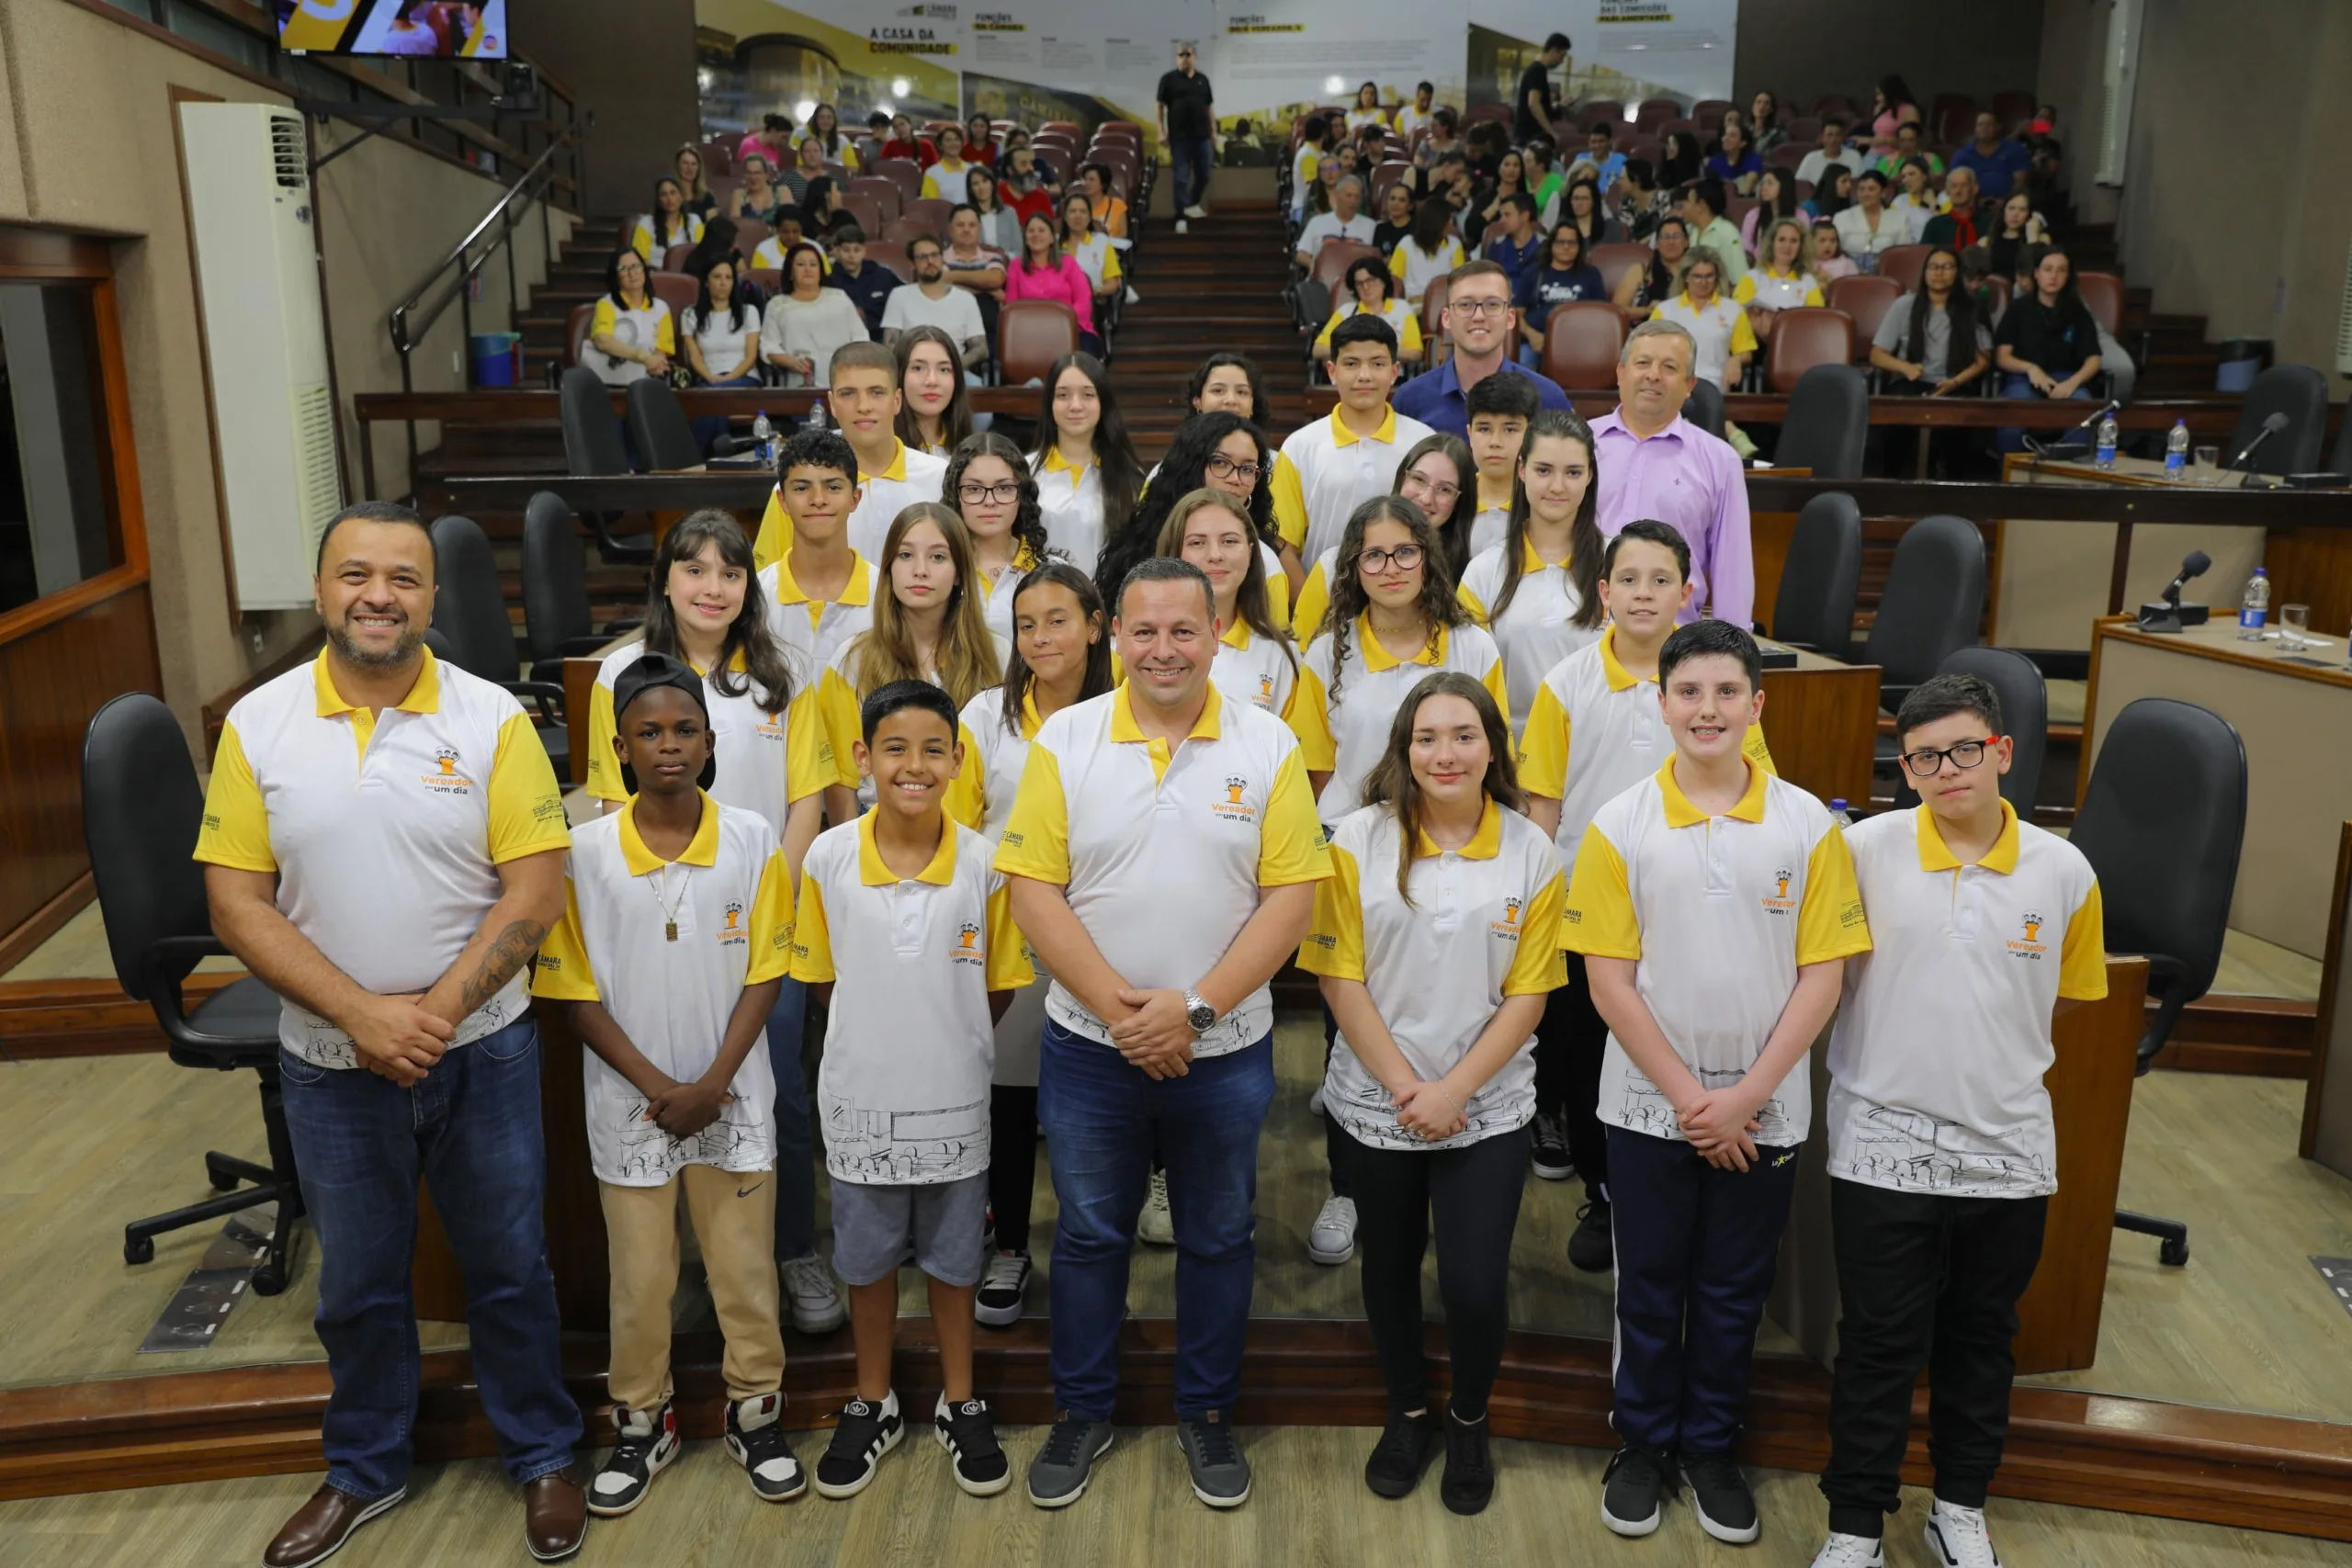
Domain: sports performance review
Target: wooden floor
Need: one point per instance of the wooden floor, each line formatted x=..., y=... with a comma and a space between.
x=1309, y=1510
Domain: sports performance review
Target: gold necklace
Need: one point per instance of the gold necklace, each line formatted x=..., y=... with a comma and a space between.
x=670, y=909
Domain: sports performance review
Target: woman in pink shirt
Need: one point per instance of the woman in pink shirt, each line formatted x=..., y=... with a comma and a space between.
x=1043, y=272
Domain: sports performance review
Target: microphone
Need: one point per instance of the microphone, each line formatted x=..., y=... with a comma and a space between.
x=2270, y=427
x=2045, y=449
x=2194, y=567
x=2165, y=614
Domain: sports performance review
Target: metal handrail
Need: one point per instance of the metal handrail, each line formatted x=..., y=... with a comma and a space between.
x=541, y=170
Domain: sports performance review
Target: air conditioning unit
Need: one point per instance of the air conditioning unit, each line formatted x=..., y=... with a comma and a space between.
x=2118, y=79
x=266, y=344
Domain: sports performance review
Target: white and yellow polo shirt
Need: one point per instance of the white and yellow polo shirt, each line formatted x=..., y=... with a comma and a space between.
x=902, y=1095
x=1259, y=670
x=1943, y=1033
x=766, y=761
x=1345, y=735
x=1484, y=924
x=816, y=628
x=732, y=895
x=841, y=696
x=386, y=829
x=1536, y=630
x=1720, y=912
x=994, y=758
x=1162, y=852
x=1326, y=470
x=1594, y=731
x=1315, y=596
x=996, y=608
x=1070, y=496
x=1489, y=528
x=912, y=476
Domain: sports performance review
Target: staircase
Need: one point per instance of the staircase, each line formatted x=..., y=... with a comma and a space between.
x=1216, y=288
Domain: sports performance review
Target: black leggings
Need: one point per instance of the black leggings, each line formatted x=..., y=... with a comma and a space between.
x=1474, y=1193
x=1012, y=1162
x=1569, y=1043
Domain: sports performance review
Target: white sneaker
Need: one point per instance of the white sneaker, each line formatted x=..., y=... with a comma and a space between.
x=1332, y=1238
x=809, y=1286
x=1959, y=1539
x=1314, y=1101
x=1156, y=1225
x=1004, y=1285
x=1182, y=227
x=1851, y=1551
x=1196, y=210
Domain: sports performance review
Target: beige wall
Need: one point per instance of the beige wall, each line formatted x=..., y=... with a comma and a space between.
x=633, y=62
x=87, y=145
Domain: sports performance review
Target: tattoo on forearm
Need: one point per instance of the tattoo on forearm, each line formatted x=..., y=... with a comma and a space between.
x=506, y=959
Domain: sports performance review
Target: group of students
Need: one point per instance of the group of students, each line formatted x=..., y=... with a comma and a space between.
x=1565, y=917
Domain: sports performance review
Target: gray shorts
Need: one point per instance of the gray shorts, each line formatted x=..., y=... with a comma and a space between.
x=942, y=1221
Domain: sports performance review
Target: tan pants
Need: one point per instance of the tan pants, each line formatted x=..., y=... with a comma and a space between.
x=734, y=1219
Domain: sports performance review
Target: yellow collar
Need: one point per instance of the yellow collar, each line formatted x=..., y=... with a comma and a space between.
x=1029, y=719
x=1124, y=727
x=1344, y=434
x=897, y=468
x=861, y=577
x=874, y=873
x=1533, y=561
x=1056, y=463
x=1237, y=636
x=1376, y=657
x=702, y=849
x=424, y=696
x=1484, y=844
x=1783, y=276
x=1680, y=813
x=1936, y=855
x=1620, y=678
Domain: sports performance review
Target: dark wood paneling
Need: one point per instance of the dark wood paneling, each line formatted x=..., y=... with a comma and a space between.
x=575, y=1213
x=2332, y=995
x=2313, y=566
x=51, y=680
x=2263, y=1037
x=88, y=1017
x=1821, y=725
x=17, y=945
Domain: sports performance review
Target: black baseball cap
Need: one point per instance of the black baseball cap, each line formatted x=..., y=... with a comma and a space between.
x=652, y=670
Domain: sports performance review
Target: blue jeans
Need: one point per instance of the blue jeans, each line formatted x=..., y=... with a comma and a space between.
x=1195, y=157
x=1102, y=1118
x=471, y=1129
x=2014, y=385
x=796, y=1153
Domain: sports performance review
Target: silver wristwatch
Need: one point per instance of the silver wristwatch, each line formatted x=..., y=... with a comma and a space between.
x=1198, y=1013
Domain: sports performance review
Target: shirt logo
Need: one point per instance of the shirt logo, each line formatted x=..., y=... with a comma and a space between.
x=2031, y=947
x=1507, y=927
x=732, y=933
x=1266, y=690
x=1233, y=808
x=446, y=779
x=967, y=945
x=1778, y=901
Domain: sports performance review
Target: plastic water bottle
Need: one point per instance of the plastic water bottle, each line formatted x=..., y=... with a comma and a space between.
x=2109, y=433
x=1838, y=809
x=2176, y=451
x=2253, y=609
x=763, y=437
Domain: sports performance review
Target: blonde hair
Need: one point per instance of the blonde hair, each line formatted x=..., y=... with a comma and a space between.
x=701, y=189
x=965, y=653
x=1251, y=602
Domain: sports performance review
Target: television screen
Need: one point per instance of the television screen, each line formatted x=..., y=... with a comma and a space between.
x=448, y=29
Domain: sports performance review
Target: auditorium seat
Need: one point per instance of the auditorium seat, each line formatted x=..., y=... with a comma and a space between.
x=1822, y=578
x=1384, y=175
x=1435, y=345
x=1332, y=263
x=470, y=609
x=1867, y=299
x=1657, y=111
x=1031, y=335
x=1708, y=113
x=1581, y=342
x=674, y=258
x=749, y=234
x=884, y=191
x=892, y=254
x=768, y=280
x=1931, y=604
x=1704, y=407
x=932, y=212
x=1805, y=131
x=2017, y=681
x=2102, y=294
x=676, y=289
x=1828, y=422
x=903, y=173
x=1789, y=156
x=575, y=331
x=905, y=232
x=1801, y=338
x=2301, y=393
x=861, y=206
x=559, y=622
x=1617, y=258
x=1904, y=263
x=658, y=428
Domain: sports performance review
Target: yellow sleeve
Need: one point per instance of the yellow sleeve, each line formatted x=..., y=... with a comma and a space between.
x=771, y=922
x=1290, y=840
x=1310, y=720
x=1278, y=599
x=236, y=824
x=1540, y=967
x=1830, y=922
x=2082, y=964
x=1454, y=255
x=1314, y=603
x=1408, y=342
x=1311, y=163
x=837, y=702
x=811, y=761
x=604, y=319
x=1597, y=919
x=966, y=799
x=1009, y=969
x=812, y=940
x=930, y=186
x=1323, y=338
x=1497, y=687
x=665, y=330
x=1472, y=603
x=1334, y=945
x=1544, y=747
x=1756, y=752
x=641, y=242
x=604, y=767
x=1743, y=336
x=1289, y=503
x=1813, y=295
x=775, y=535
x=1110, y=264
x=525, y=806
x=1396, y=262
x=1037, y=837
x=1744, y=291
x=561, y=974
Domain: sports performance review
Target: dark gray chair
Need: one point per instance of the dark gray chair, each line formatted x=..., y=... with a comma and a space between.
x=141, y=810
x=469, y=611
x=1828, y=419
x=1931, y=605
x=1814, y=608
x=2025, y=716
x=2301, y=393
x=2162, y=822
x=559, y=620
x=1704, y=407
x=658, y=428
x=592, y=449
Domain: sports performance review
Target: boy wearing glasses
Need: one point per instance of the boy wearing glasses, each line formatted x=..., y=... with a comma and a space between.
x=1942, y=1155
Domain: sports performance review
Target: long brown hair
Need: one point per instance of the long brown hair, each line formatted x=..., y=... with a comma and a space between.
x=1437, y=604
x=767, y=671
x=1252, y=603
x=885, y=652
x=1028, y=517
x=1018, y=678
x=956, y=419
x=1584, y=530
x=1392, y=783
x=1455, y=527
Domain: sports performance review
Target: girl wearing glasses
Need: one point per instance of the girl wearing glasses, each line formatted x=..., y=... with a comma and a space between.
x=1220, y=451
x=1538, y=591
x=989, y=483
x=1439, y=476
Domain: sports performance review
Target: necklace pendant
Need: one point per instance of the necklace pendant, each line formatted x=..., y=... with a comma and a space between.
x=671, y=930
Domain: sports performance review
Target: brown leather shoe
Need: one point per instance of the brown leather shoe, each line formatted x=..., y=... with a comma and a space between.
x=555, y=1515
x=320, y=1525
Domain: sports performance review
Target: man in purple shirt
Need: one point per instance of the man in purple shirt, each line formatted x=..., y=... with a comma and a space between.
x=1654, y=463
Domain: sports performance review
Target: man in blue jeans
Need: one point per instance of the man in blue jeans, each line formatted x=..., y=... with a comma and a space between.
x=1188, y=128
x=384, y=845
x=1163, y=851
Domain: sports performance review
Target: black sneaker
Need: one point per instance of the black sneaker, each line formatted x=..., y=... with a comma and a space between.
x=1213, y=1453
x=865, y=1431
x=1549, y=1157
x=646, y=1443
x=968, y=1434
x=1727, y=1507
x=1059, y=1474
x=1468, y=1484
x=755, y=1438
x=1590, y=1247
x=1632, y=1489
x=1004, y=1288
x=1406, y=1444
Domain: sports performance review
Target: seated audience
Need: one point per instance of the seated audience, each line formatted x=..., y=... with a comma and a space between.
x=1964, y=218
x=1703, y=209
x=773, y=141
x=1430, y=251
x=1678, y=159
x=1776, y=197
x=1830, y=199
x=1736, y=164
x=905, y=143
x=1396, y=217
x=1907, y=147
x=970, y=263
x=834, y=145
x=1892, y=105
x=1043, y=271
x=1367, y=289
x=1914, y=343
x=1661, y=277
x=1781, y=280
x=807, y=321
x=1719, y=328
x=1918, y=202
x=1600, y=162
x=1367, y=112
x=1998, y=162
x=1444, y=137
x=824, y=213
x=809, y=165
x=631, y=330
x=757, y=197
x=945, y=179
x=717, y=244
x=687, y=169
x=1313, y=142
x=1832, y=149
x=1871, y=226
x=1641, y=206
x=979, y=141
x=2020, y=227
x=722, y=333
x=2048, y=343
x=1510, y=180
x=1582, y=208
x=1513, y=239
x=869, y=284
x=1346, y=220
x=771, y=252
x=1022, y=185
x=1411, y=117
x=668, y=224
x=999, y=225
x=1764, y=121
x=1110, y=210
x=1562, y=277
x=1830, y=260
x=1092, y=250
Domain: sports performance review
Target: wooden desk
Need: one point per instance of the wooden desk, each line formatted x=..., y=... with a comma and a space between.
x=2296, y=720
x=2327, y=1098
x=1821, y=720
